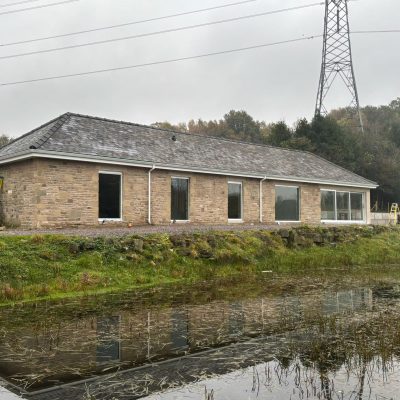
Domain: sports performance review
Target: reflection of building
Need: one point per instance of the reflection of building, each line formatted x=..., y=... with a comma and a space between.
x=108, y=344
x=60, y=349
x=348, y=300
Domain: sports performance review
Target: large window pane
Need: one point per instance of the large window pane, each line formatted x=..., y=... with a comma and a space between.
x=356, y=201
x=286, y=203
x=343, y=206
x=179, y=199
x=234, y=200
x=109, y=196
x=328, y=205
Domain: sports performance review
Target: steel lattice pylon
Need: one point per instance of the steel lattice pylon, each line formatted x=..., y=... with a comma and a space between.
x=337, y=57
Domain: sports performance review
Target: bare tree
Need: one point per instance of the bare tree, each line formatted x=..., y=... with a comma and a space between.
x=4, y=140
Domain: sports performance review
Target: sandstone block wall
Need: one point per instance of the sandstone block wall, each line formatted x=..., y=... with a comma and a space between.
x=54, y=193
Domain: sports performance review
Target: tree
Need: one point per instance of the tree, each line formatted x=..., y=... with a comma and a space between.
x=279, y=134
x=243, y=125
x=181, y=127
x=4, y=140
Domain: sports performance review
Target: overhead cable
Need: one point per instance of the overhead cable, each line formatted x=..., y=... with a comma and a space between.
x=166, y=61
x=161, y=32
x=37, y=7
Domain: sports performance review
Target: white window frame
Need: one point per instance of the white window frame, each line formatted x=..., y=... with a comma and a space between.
x=299, y=193
x=237, y=220
x=120, y=219
x=350, y=221
x=182, y=221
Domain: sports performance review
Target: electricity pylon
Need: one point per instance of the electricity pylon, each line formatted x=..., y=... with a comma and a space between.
x=337, y=58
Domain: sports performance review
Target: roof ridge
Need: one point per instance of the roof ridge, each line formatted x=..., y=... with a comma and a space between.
x=33, y=131
x=42, y=140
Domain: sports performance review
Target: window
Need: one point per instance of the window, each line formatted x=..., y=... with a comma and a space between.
x=342, y=206
x=109, y=195
x=357, y=207
x=328, y=209
x=287, y=201
x=180, y=199
x=234, y=200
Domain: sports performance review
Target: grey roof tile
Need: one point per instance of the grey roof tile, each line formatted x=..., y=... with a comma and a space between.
x=97, y=137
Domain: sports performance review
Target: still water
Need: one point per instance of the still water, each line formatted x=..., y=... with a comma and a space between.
x=277, y=337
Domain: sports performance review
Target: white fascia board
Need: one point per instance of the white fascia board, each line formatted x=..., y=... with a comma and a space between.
x=150, y=164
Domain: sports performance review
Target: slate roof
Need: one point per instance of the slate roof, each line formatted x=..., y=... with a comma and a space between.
x=92, y=137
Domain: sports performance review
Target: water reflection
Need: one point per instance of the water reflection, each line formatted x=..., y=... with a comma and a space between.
x=273, y=381
x=37, y=353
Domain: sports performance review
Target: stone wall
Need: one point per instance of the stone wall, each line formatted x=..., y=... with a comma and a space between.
x=382, y=219
x=51, y=193
x=17, y=194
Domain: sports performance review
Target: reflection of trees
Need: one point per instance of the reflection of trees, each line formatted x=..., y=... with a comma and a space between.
x=312, y=379
x=361, y=349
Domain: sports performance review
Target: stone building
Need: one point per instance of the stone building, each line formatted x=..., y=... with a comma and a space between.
x=81, y=170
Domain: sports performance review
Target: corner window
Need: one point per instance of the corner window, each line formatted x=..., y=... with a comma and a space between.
x=287, y=203
x=342, y=206
x=109, y=195
x=235, y=200
x=179, y=199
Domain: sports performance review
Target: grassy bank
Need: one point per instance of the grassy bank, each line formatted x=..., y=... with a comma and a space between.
x=38, y=267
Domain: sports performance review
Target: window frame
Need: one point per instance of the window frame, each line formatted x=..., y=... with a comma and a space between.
x=350, y=221
x=236, y=220
x=181, y=221
x=299, y=205
x=120, y=174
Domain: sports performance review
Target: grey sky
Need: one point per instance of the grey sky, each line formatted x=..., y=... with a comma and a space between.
x=271, y=83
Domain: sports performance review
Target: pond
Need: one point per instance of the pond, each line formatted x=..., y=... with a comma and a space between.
x=331, y=335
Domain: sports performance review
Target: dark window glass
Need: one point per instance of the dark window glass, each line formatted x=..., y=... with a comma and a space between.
x=287, y=203
x=234, y=201
x=328, y=205
x=179, y=199
x=343, y=206
x=109, y=196
x=357, y=211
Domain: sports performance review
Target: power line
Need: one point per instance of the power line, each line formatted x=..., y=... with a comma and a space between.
x=377, y=31
x=17, y=3
x=127, y=23
x=183, y=28
x=37, y=7
x=168, y=61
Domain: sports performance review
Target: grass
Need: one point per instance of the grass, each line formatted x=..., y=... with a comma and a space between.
x=41, y=267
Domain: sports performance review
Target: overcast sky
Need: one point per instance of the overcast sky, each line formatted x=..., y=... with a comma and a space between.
x=274, y=83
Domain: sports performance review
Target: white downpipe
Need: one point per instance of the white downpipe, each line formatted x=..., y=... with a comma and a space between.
x=261, y=198
x=149, y=194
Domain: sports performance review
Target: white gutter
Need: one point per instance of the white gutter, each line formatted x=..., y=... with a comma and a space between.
x=149, y=193
x=261, y=198
x=145, y=164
